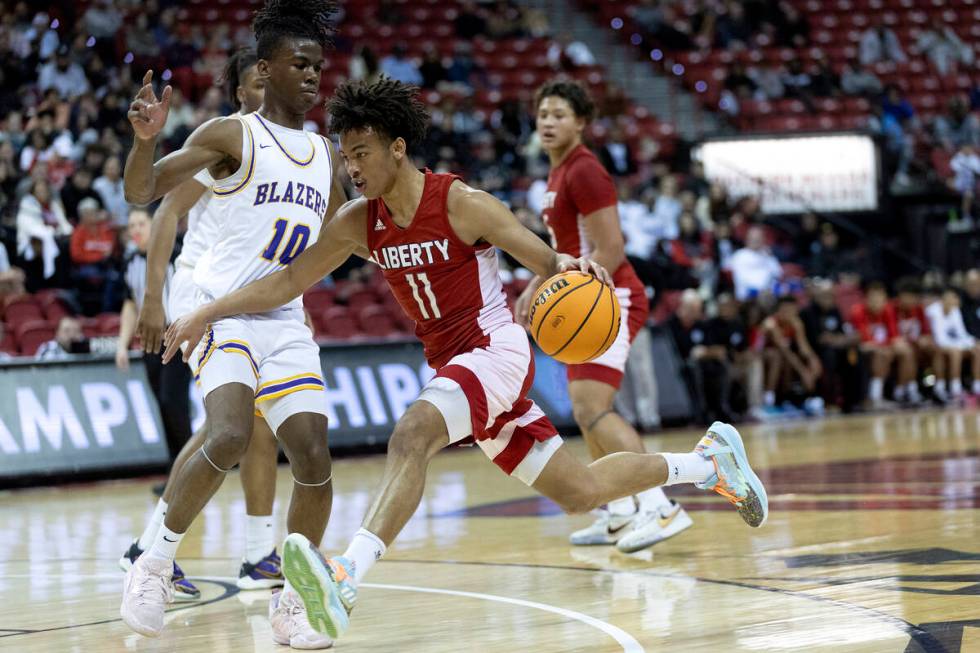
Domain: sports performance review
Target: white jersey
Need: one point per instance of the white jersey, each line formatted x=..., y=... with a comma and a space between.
x=269, y=211
x=202, y=229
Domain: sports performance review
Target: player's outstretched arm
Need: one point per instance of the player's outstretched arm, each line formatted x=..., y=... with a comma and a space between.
x=144, y=181
x=342, y=236
x=476, y=215
x=163, y=234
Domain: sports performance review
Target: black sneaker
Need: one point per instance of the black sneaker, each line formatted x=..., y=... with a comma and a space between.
x=128, y=558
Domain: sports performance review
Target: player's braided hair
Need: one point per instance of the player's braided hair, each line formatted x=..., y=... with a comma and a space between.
x=278, y=19
x=240, y=61
x=388, y=106
x=570, y=91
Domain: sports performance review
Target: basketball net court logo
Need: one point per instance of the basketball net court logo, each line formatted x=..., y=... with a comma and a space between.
x=545, y=293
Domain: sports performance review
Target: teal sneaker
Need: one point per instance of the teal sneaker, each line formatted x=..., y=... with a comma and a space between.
x=733, y=477
x=326, y=586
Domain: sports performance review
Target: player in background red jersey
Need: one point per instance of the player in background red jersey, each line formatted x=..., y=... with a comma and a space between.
x=874, y=319
x=580, y=211
x=435, y=239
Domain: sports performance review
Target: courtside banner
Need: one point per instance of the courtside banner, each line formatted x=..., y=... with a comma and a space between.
x=58, y=418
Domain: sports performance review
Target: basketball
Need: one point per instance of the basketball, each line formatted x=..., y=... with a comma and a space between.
x=574, y=317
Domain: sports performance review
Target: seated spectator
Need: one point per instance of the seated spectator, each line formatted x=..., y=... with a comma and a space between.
x=667, y=210
x=93, y=244
x=943, y=47
x=957, y=127
x=797, y=81
x=63, y=75
x=914, y=328
x=970, y=304
x=364, y=65
x=740, y=82
x=41, y=223
x=398, y=65
x=824, y=82
x=874, y=320
x=754, y=269
x=694, y=251
x=725, y=244
x=78, y=188
x=706, y=369
x=470, y=22
x=68, y=340
x=464, y=70
x=837, y=346
x=879, y=43
x=769, y=82
x=109, y=186
x=788, y=357
x=727, y=329
x=432, y=69
x=856, y=79
x=953, y=342
x=616, y=153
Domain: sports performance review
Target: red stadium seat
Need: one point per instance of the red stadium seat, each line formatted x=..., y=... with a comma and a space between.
x=336, y=322
x=318, y=299
x=21, y=308
x=108, y=324
x=32, y=334
x=376, y=321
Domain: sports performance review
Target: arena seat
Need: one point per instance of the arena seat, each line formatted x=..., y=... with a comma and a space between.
x=32, y=334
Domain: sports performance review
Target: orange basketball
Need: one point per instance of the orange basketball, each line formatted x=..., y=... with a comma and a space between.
x=574, y=317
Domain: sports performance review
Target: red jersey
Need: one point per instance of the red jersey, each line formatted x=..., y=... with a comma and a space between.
x=878, y=328
x=912, y=324
x=577, y=187
x=452, y=290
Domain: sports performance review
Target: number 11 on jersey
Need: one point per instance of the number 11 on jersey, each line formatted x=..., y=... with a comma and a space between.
x=417, y=280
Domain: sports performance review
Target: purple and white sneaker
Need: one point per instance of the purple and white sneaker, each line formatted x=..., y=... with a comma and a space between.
x=263, y=575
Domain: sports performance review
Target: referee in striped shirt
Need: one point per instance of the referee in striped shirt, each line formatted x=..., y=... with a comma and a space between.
x=171, y=382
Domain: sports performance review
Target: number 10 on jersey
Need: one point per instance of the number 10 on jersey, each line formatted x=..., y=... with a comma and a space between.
x=297, y=242
x=421, y=281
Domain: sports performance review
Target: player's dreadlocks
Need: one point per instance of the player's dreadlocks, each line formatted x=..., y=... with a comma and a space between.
x=278, y=19
x=570, y=91
x=388, y=106
x=240, y=61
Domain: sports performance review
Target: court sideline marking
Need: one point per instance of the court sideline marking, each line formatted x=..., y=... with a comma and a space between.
x=624, y=639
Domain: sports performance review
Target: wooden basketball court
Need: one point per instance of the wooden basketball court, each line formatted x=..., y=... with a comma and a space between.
x=871, y=545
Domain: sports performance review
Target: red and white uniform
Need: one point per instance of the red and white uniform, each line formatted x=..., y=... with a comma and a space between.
x=483, y=360
x=578, y=187
x=875, y=328
x=912, y=324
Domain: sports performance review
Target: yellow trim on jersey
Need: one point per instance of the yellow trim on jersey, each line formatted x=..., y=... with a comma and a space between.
x=295, y=383
x=230, y=350
x=293, y=160
x=251, y=168
x=288, y=378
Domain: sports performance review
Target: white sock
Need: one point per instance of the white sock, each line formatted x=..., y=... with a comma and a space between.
x=912, y=390
x=156, y=520
x=365, y=549
x=769, y=398
x=258, y=537
x=687, y=468
x=623, y=507
x=653, y=499
x=956, y=387
x=976, y=386
x=165, y=544
x=876, y=388
x=941, y=386
x=900, y=392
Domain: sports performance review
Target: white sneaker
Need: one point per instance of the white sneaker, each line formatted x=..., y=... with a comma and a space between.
x=652, y=526
x=606, y=529
x=147, y=590
x=290, y=627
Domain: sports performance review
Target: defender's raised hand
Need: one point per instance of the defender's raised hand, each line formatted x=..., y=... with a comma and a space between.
x=147, y=113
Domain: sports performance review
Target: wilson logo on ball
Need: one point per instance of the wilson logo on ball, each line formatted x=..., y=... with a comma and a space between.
x=586, y=324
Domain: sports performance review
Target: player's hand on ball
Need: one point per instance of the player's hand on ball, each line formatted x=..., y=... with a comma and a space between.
x=584, y=265
x=522, y=307
x=190, y=329
x=147, y=113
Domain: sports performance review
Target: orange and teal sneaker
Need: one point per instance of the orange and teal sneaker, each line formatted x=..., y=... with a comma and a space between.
x=733, y=477
x=326, y=586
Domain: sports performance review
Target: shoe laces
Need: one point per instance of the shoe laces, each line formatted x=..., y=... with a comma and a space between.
x=154, y=588
x=722, y=488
